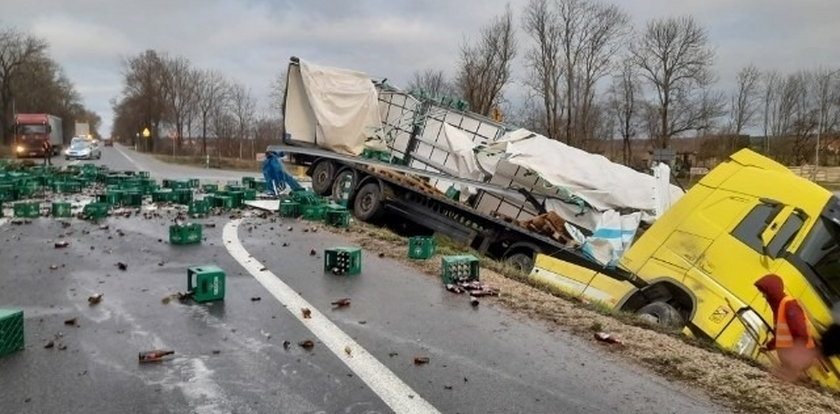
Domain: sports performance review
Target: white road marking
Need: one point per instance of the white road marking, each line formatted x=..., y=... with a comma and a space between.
x=131, y=160
x=390, y=388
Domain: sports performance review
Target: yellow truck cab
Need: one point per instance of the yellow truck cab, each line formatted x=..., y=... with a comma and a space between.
x=694, y=268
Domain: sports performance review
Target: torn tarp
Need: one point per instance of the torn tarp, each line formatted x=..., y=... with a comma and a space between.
x=343, y=103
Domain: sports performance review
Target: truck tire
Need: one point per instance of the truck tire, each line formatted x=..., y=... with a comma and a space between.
x=339, y=191
x=367, y=205
x=522, y=262
x=322, y=178
x=662, y=314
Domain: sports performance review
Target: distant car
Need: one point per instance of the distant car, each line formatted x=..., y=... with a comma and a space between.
x=82, y=149
x=109, y=142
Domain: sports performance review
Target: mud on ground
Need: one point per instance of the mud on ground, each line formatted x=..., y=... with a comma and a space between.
x=732, y=382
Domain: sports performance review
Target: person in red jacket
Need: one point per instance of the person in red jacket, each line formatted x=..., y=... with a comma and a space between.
x=792, y=339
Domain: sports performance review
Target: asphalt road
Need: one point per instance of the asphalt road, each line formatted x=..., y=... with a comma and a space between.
x=230, y=356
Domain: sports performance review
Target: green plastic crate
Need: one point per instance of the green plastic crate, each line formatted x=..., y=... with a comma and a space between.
x=289, y=209
x=163, y=196
x=178, y=184
x=237, y=196
x=383, y=156
x=343, y=260
x=313, y=212
x=213, y=200
x=247, y=182
x=185, y=234
x=337, y=218
x=8, y=193
x=112, y=197
x=198, y=208
x=457, y=268
x=67, y=187
x=27, y=209
x=206, y=283
x=210, y=188
x=61, y=209
x=193, y=183
x=258, y=185
x=250, y=194
x=306, y=198
x=182, y=196
x=11, y=331
x=132, y=198
x=143, y=174
x=95, y=211
x=225, y=202
x=421, y=247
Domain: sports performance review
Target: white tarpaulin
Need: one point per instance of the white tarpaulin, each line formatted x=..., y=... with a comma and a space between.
x=461, y=149
x=593, y=178
x=345, y=106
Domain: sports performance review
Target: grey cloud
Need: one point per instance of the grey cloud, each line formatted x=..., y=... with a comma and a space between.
x=251, y=40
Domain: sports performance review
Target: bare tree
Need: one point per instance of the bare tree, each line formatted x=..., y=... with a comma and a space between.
x=212, y=91
x=144, y=81
x=484, y=68
x=243, y=106
x=826, y=92
x=675, y=58
x=277, y=93
x=576, y=39
x=545, y=63
x=622, y=100
x=744, y=105
x=770, y=83
x=180, y=83
x=16, y=48
x=431, y=81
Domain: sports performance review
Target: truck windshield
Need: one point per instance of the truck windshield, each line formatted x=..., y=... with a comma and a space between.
x=819, y=256
x=31, y=129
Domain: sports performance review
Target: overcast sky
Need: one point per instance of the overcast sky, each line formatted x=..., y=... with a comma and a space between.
x=251, y=40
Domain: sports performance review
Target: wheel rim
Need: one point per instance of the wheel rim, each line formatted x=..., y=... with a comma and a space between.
x=367, y=202
x=341, y=185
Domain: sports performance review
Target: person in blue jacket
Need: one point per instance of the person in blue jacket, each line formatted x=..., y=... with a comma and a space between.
x=276, y=178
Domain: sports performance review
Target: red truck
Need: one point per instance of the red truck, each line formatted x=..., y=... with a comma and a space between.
x=31, y=130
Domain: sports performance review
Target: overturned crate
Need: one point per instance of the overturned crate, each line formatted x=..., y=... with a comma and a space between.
x=181, y=234
x=206, y=283
x=209, y=188
x=421, y=247
x=454, y=269
x=343, y=260
x=313, y=212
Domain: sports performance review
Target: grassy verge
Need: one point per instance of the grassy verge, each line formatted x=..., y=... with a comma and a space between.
x=736, y=382
x=218, y=163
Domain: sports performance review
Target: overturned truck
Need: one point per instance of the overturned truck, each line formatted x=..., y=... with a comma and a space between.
x=572, y=219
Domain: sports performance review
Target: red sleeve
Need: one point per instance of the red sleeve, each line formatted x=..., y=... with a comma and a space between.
x=796, y=323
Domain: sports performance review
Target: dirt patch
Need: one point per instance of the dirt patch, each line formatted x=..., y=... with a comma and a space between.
x=736, y=383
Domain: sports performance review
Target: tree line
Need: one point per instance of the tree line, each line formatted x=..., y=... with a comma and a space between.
x=32, y=82
x=168, y=93
x=592, y=79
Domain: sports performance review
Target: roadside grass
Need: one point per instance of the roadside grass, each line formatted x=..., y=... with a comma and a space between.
x=221, y=163
x=733, y=380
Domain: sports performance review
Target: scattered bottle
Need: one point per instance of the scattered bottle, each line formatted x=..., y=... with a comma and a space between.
x=153, y=356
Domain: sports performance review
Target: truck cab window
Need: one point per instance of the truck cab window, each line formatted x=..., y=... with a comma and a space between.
x=785, y=235
x=750, y=228
x=32, y=129
x=819, y=258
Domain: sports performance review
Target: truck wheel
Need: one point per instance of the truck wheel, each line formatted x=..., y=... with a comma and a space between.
x=343, y=185
x=322, y=178
x=662, y=314
x=367, y=205
x=522, y=262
